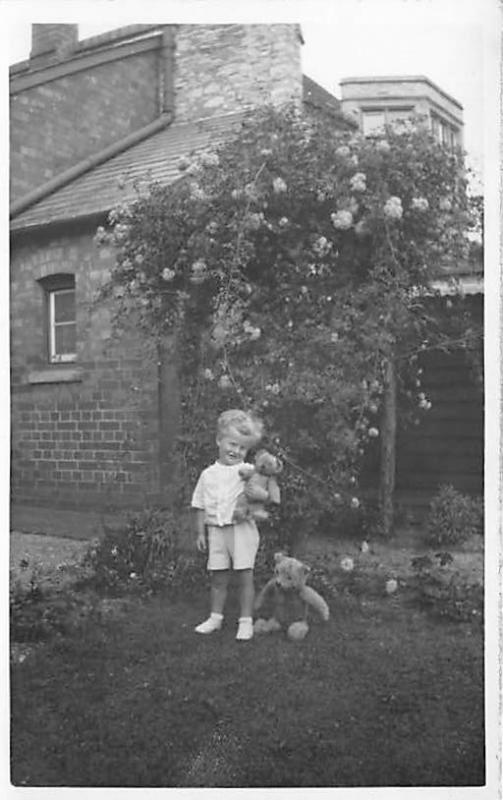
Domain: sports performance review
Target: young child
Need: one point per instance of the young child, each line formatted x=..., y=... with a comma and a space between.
x=214, y=499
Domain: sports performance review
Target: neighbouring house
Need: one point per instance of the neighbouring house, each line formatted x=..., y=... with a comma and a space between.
x=382, y=100
x=93, y=420
x=448, y=445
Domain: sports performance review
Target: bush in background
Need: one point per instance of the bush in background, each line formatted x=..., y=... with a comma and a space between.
x=144, y=556
x=443, y=590
x=453, y=517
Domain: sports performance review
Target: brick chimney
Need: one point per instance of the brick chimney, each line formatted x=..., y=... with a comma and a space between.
x=49, y=42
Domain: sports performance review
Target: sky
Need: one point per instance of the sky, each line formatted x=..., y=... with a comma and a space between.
x=454, y=44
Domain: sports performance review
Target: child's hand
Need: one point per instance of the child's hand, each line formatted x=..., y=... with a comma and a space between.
x=201, y=542
x=256, y=493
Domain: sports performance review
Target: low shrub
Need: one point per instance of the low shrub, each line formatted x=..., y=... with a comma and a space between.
x=145, y=556
x=38, y=612
x=453, y=517
x=443, y=590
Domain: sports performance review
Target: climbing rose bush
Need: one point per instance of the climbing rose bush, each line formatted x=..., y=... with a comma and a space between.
x=289, y=266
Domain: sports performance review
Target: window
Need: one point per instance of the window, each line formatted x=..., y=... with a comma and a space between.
x=444, y=132
x=61, y=326
x=399, y=114
x=373, y=122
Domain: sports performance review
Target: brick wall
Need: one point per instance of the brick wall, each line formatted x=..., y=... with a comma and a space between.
x=224, y=68
x=56, y=124
x=95, y=440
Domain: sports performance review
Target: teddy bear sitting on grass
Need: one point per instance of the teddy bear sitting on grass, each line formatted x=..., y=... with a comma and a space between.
x=289, y=599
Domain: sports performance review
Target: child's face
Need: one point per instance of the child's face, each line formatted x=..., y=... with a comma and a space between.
x=232, y=447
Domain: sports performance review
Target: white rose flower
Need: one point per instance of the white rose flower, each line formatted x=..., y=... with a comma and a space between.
x=210, y=159
x=168, y=274
x=347, y=564
x=279, y=185
x=358, y=182
x=254, y=220
x=225, y=382
x=355, y=503
x=391, y=586
x=343, y=151
x=322, y=246
x=393, y=208
x=419, y=204
x=342, y=220
x=194, y=168
x=445, y=204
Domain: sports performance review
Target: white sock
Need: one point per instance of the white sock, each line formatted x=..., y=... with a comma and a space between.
x=213, y=623
x=245, y=628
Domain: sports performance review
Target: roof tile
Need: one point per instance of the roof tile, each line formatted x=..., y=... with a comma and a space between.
x=154, y=159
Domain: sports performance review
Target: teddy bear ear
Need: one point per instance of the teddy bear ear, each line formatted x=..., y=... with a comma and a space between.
x=278, y=557
x=306, y=569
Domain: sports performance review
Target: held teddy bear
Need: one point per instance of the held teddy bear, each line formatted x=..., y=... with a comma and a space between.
x=261, y=487
x=290, y=599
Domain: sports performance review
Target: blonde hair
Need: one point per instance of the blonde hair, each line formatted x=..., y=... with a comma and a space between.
x=246, y=424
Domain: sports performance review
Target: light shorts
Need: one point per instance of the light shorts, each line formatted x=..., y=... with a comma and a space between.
x=236, y=544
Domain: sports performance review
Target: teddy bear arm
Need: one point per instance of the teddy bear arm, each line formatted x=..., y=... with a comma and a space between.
x=264, y=592
x=316, y=601
x=255, y=489
x=273, y=491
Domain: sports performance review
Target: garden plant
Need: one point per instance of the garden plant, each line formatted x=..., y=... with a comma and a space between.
x=290, y=271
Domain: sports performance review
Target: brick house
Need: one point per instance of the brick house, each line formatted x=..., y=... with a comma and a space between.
x=93, y=421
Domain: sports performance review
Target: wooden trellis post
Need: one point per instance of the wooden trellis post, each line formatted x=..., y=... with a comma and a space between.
x=388, y=449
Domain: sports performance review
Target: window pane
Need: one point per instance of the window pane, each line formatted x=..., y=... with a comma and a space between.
x=373, y=121
x=65, y=338
x=398, y=114
x=64, y=306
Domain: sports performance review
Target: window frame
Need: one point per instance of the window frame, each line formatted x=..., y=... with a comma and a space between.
x=52, y=285
x=386, y=112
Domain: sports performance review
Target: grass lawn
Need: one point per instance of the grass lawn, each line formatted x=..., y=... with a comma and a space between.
x=382, y=695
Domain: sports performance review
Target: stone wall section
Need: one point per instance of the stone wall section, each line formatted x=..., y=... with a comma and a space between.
x=222, y=69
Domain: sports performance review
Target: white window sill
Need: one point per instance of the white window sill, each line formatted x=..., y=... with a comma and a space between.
x=56, y=375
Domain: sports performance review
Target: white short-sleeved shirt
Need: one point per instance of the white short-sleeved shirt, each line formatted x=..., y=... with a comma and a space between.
x=216, y=492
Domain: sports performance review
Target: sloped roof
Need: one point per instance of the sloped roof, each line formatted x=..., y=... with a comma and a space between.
x=153, y=159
